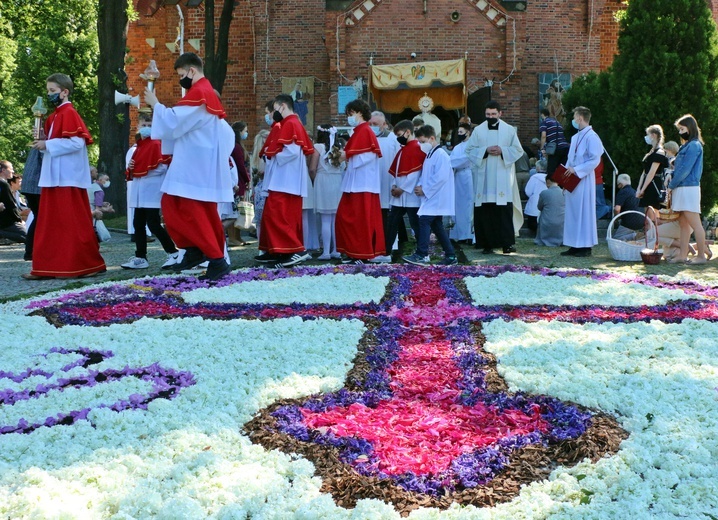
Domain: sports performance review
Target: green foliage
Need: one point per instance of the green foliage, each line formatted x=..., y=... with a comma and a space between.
x=36, y=40
x=667, y=66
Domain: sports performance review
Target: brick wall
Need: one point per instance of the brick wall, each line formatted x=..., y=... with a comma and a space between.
x=304, y=37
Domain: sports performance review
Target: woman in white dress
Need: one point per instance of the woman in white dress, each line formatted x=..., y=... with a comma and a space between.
x=327, y=186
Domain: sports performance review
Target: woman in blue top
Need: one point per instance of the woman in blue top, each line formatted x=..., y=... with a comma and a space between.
x=685, y=190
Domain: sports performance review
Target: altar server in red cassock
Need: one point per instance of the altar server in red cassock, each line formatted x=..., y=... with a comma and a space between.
x=405, y=171
x=285, y=178
x=359, y=227
x=146, y=170
x=65, y=241
x=200, y=141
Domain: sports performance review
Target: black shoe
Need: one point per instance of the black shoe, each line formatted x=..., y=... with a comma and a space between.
x=487, y=251
x=509, y=250
x=583, y=252
x=217, y=269
x=571, y=251
x=27, y=258
x=192, y=258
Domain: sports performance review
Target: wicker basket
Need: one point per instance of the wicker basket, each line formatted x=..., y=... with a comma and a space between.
x=624, y=251
x=667, y=214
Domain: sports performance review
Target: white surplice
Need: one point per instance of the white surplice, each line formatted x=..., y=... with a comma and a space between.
x=584, y=156
x=389, y=148
x=463, y=193
x=495, y=175
x=437, y=183
x=200, y=144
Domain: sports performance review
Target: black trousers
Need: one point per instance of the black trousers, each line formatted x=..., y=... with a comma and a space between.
x=150, y=217
x=397, y=226
x=33, y=202
x=494, y=225
x=552, y=161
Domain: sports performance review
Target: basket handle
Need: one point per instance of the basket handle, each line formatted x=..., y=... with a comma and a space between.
x=609, y=233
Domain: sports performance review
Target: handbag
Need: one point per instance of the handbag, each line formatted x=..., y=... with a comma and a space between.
x=103, y=235
x=567, y=181
x=245, y=215
x=550, y=148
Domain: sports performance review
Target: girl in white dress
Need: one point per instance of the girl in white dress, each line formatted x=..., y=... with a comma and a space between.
x=327, y=186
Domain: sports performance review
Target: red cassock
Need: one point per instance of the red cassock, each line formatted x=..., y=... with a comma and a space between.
x=359, y=225
x=147, y=157
x=408, y=160
x=281, y=226
x=194, y=223
x=65, y=241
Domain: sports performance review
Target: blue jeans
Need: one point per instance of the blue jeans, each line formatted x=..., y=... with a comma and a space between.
x=435, y=223
x=602, y=209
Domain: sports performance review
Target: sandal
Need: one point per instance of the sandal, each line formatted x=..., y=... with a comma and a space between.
x=696, y=261
x=709, y=252
x=674, y=260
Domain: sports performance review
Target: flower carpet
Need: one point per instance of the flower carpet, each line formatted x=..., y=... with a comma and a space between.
x=363, y=392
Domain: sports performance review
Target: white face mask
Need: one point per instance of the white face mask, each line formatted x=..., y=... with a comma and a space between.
x=426, y=147
x=106, y=184
x=648, y=140
x=352, y=121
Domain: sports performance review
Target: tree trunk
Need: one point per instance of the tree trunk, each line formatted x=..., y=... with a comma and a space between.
x=222, y=54
x=215, y=61
x=114, y=119
x=209, y=58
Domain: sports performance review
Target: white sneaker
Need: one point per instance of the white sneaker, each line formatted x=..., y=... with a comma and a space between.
x=172, y=259
x=324, y=256
x=136, y=263
x=336, y=254
x=381, y=259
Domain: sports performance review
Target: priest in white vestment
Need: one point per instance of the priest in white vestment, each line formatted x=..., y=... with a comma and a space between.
x=584, y=155
x=493, y=150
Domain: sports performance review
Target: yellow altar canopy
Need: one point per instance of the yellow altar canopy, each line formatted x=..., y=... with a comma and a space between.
x=399, y=86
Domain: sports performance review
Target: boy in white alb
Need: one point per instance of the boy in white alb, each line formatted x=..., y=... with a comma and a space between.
x=436, y=190
x=200, y=141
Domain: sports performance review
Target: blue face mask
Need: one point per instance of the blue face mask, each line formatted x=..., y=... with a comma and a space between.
x=145, y=132
x=575, y=124
x=376, y=130
x=54, y=99
x=244, y=135
x=352, y=121
x=268, y=119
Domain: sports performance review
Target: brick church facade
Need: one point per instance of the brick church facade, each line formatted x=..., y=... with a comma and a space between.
x=508, y=47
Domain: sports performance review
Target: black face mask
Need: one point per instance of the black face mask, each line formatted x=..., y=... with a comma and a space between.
x=277, y=116
x=684, y=135
x=402, y=140
x=185, y=83
x=492, y=120
x=460, y=137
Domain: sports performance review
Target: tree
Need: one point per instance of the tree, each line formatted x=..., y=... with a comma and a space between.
x=667, y=66
x=215, y=60
x=114, y=119
x=36, y=40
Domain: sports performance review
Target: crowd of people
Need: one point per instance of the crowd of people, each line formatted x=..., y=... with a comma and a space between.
x=347, y=198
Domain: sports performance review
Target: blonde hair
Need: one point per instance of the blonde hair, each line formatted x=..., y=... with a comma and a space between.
x=655, y=130
x=671, y=146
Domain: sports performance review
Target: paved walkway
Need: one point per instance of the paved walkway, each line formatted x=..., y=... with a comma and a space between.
x=120, y=248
